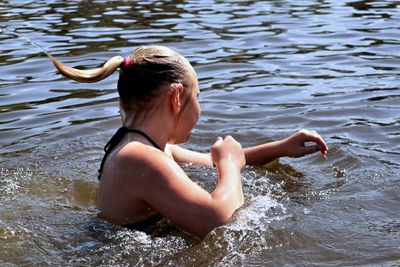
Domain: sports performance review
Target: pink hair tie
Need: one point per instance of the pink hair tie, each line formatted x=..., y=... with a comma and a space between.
x=127, y=62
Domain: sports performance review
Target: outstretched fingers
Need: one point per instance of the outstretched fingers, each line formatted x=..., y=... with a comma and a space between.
x=321, y=144
x=309, y=149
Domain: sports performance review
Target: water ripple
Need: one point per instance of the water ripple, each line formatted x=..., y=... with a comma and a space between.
x=266, y=69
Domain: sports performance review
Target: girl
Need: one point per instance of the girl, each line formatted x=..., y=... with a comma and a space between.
x=139, y=174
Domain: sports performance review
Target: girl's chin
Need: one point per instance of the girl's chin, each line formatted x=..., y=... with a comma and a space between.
x=183, y=139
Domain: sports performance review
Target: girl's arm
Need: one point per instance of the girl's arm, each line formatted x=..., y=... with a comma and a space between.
x=185, y=203
x=299, y=144
x=182, y=155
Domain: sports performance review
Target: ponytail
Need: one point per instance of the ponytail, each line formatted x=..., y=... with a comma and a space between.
x=89, y=76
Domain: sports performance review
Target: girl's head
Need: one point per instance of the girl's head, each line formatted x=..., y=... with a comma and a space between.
x=149, y=69
x=143, y=77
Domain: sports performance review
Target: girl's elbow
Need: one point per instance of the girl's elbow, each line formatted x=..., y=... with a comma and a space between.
x=210, y=225
x=218, y=218
x=219, y=214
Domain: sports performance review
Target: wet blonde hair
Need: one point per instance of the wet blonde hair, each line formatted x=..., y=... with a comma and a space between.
x=148, y=69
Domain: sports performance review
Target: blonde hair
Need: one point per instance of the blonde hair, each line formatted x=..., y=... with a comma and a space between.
x=148, y=68
x=88, y=76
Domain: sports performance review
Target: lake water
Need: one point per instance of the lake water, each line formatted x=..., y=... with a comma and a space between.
x=266, y=69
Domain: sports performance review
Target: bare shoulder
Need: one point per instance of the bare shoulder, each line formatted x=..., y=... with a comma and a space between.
x=143, y=162
x=155, y=175
x=134, y=175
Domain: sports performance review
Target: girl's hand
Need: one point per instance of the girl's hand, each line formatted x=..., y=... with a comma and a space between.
x=228, y=149
x=296, y=144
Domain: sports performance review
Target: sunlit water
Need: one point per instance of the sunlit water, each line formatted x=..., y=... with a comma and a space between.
x=266, y=69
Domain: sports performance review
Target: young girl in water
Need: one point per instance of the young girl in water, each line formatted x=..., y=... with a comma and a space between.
x=140, y=176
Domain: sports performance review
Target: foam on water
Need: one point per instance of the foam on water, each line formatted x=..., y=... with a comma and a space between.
x=11, y=180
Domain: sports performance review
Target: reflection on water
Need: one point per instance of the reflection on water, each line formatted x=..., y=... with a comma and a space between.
x=266, y=69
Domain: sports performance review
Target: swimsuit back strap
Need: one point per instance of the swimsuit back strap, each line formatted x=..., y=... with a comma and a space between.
x=116, y=138
x=148, y=138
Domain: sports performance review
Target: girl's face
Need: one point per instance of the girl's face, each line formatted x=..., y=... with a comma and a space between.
x=190, y=113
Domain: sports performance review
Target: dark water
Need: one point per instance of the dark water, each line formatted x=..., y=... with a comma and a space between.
x=266, y=69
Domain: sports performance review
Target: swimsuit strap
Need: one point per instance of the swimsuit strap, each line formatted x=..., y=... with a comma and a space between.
x=115, y=140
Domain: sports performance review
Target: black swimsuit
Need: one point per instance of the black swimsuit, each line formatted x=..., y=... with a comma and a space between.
x=115, y=140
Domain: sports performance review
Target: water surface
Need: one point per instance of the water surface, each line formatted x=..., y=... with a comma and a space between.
x=266, y=69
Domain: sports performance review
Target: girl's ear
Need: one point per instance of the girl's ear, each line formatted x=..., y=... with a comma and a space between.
x=176, y=90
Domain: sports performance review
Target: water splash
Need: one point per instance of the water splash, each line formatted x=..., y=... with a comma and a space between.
x=127, y=245
x=26, y=38
x=10, y=181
